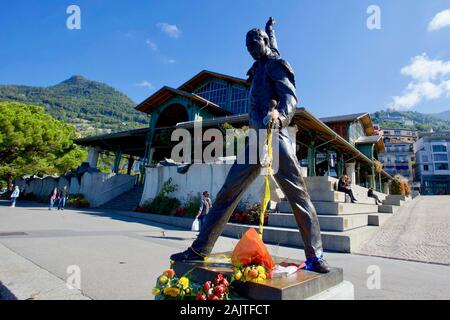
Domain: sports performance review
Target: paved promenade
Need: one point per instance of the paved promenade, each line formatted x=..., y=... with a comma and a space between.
x=120, y=258
x=419, y=231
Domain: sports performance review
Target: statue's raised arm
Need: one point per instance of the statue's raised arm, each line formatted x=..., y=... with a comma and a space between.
x=272, y=38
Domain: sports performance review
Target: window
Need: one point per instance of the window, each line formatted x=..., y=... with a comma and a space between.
x=425, y=167
x=397, y=132
x=239, y=100
x=424, y=158
x=440, y=157
x=214, y=91
x=439, y=148
x=441, y=166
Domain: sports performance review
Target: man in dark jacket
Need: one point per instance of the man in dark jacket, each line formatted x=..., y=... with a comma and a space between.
x=271, y=79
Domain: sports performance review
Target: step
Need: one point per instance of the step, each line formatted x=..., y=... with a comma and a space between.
x=399, y=197
x=347, y=241
x=327, y=223
x=386, y=208
x=393, y=202
x=328, y=196
x=378, y=219
x=333, y=208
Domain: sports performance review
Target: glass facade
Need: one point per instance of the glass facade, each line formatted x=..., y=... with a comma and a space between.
x=239, y=100
x=441, y=166
x=215, y=92
x=439, y=148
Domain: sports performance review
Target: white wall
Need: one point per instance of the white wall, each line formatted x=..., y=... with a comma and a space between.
x=199, y=178
x=97, y=188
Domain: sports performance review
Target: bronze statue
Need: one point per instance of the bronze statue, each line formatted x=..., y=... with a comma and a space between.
x=271, y=79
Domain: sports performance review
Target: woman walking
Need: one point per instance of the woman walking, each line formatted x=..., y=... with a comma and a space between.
x=53, y=196
x=14, y=196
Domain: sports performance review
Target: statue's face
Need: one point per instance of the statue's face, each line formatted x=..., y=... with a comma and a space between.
x=256, y=46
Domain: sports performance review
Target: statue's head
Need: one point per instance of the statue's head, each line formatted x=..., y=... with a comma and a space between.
x=257, y=42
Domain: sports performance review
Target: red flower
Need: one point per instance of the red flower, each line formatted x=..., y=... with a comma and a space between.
x=213, y=297
x=219, y=290
x=207, y=285
x=225, y=283
x=200, y=296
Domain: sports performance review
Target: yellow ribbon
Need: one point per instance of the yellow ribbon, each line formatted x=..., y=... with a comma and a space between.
x=266, y=196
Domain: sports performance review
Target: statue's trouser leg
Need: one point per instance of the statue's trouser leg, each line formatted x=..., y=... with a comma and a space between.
x=239, y=178
x=290, y=180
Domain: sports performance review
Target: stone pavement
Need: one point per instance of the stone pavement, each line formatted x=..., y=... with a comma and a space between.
x=120, y=257
x=419, y=231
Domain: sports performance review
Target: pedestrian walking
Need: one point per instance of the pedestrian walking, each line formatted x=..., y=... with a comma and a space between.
x=205, y=205
x=14, y=195
x=53, y=197
x=63, y=196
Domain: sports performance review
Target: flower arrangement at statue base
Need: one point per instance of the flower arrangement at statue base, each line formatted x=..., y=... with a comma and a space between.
x=214, y=290
x=170, y=287
x=251, y=260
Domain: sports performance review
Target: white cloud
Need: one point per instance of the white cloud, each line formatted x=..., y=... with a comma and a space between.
x=170, y=29
x=424, y=69
x=151, y=45
x=145, y=84
x=167, y=60
x=441, y=20
x=430, y=80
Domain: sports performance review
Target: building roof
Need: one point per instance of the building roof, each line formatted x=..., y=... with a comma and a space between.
x=304, y=120
x=363, y=117
x=166, y=93
x=130, y=141
x=200, y=77
x=375, y=139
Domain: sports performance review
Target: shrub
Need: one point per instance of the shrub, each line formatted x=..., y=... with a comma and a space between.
x=399, y=186
x=77, y=201
x=192, y=205
x=250, y=215
x=162, y=204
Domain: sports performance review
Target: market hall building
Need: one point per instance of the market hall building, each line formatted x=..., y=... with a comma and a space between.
x=328, y=146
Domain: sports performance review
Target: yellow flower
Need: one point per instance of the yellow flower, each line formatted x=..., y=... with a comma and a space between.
x=238, y=275
x=156, y=291
x=261, y=270
x=262, y=276
x=184, y=282
x=163, y=279
x=171, y=291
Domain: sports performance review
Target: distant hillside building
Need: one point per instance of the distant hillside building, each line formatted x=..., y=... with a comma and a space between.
x=397, y=119
x=432, y=152
x=399, y=156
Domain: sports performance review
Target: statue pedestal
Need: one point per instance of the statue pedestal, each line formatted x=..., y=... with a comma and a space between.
x=298, y=286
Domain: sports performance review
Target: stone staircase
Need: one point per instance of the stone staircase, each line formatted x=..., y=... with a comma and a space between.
x=344, y=225
x=127, y=201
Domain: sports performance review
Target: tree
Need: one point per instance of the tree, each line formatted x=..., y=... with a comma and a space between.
x=33, y=142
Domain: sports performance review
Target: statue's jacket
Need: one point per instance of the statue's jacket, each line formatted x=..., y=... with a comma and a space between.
x=271, y=78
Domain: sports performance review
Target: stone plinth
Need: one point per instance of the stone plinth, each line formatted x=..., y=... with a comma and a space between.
x=298, y=286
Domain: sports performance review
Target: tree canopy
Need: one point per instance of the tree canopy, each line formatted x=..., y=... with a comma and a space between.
x=33, y=142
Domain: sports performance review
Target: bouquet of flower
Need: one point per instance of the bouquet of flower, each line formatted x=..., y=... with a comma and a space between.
x=214, y=290
x=251, y=260
x=170, y=287
x=253, y=273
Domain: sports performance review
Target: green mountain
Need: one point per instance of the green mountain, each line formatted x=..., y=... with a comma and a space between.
x=410, y=119
x=445, y=115
x=92, y=107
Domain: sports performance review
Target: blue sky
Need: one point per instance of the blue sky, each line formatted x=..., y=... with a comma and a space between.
x=341, y=66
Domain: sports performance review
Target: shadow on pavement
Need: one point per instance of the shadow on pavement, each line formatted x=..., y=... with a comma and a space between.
x=5, y=294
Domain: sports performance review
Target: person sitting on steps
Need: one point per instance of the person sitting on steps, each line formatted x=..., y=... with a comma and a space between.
x=370, y=194
x=344, y=186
